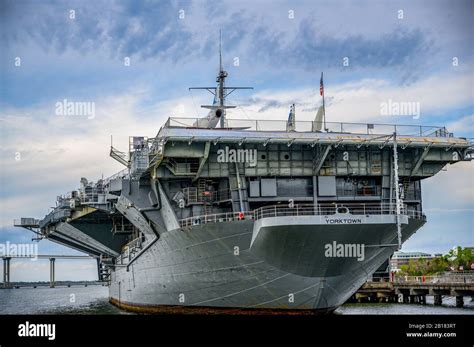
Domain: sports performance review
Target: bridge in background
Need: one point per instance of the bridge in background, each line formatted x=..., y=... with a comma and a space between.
x=52, y=261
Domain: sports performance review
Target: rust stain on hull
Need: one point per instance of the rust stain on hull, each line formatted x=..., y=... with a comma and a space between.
x=200, y=310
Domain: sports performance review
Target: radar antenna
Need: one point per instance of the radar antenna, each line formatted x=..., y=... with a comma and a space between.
x=220, y=92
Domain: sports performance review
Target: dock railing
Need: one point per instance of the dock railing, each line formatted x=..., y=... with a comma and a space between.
x=438, y=279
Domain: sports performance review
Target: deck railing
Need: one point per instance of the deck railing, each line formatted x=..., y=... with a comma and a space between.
x=331, y=209
x=302, y=210
x=311, y=126
x=193, y=195
x=216, y=218
x=121, y=174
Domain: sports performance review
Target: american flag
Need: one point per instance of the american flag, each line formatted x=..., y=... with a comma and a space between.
x=321, y=85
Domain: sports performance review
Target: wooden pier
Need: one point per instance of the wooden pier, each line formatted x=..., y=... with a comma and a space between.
x=414, y=289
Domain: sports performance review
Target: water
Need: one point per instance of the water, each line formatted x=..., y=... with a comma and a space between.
x=62, y=300
x=448, y=307
x=94, y=300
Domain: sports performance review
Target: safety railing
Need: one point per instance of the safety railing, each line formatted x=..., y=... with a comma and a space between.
x=57, y=215
x=327, y=209
x=335, y=127
x=182, y=168
x=193, y=195
x=303, y=210
x=91, y=193
x=215, y=218
x=134, y=244
x=121, y=174
x=355, y=191
x=442, y=279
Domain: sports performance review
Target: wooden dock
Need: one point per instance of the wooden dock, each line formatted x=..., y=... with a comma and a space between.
x=414, y=289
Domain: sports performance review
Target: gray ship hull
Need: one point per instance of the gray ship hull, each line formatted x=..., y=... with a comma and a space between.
x=247, y=265
x=253, y=214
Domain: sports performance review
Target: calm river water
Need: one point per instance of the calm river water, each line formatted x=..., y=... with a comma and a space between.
x=94, y=300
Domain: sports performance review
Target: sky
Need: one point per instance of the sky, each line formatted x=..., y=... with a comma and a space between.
x=136, y=59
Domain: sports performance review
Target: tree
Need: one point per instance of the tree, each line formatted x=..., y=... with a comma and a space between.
x=427, y=267
x=464, y=258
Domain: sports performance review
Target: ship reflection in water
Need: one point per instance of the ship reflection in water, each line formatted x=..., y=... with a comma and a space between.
x=94, y=300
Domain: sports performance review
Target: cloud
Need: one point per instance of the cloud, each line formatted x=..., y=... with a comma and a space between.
x=463, y=125
x=147, y=29
x=172, y=53
x=59, y=150
x=444, y=230
x=448, y=202
x=360, y=101
x=263, y=34
x=310, y=48
x=82, y=60
x=458, y=180
x=56, y=151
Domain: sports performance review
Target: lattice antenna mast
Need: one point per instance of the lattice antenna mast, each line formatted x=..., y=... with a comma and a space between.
x=220, y=92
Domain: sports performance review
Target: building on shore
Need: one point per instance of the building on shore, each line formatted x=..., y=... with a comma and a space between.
x=402, y=258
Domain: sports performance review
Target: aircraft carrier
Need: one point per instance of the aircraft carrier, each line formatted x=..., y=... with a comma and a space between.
x=226, y=214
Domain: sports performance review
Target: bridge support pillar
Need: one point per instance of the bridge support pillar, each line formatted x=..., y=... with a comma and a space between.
x=459, y=301
x=98, y=270
x=51, y=272
x=438, y=300
x=6, y=272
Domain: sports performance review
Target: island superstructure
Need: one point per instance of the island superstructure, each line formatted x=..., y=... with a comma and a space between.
x=221, y=214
